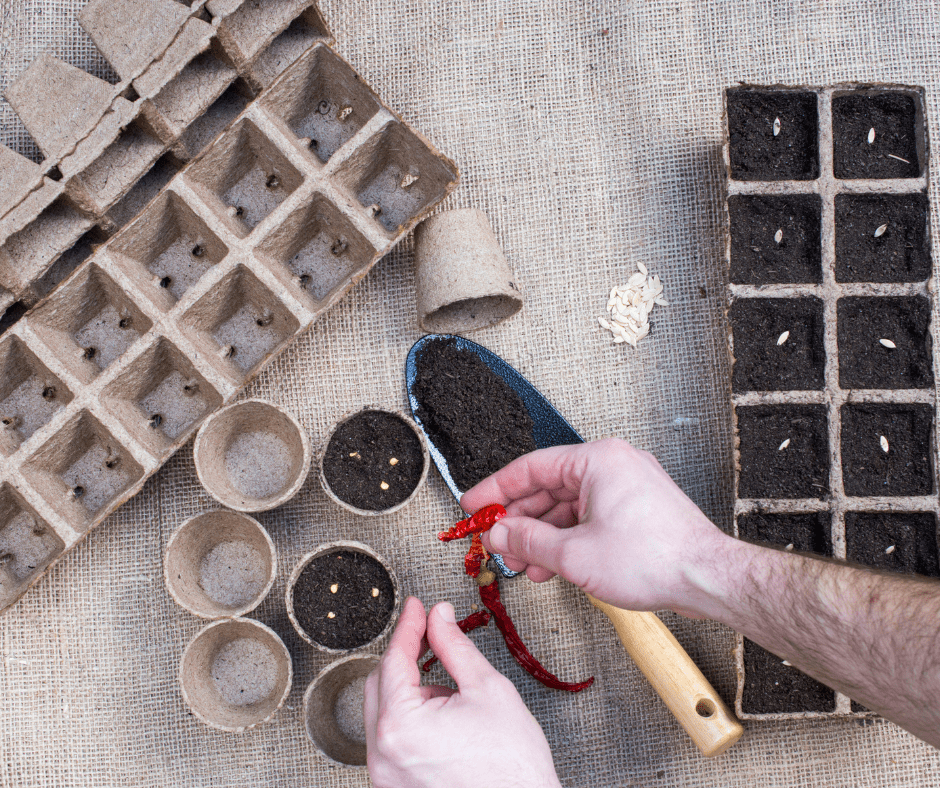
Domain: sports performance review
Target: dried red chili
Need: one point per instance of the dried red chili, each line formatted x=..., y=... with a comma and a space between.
x=478, y=523
x=474, y=621
x=475, y=566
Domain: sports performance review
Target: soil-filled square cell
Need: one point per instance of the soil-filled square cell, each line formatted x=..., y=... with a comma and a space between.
x=30, y=395
x=244, y=177
x=887, y=449
x=772, y=687
x=783, y=451
x=161, y=397
x=884, y=343
x=775, y=240
x=89, y=322
x=27, y=545
x=882, y=237
x=805, y=532
x=889, y=152
x=778, y=344
x=81, y=470
x=772, y=134
x=893, y=541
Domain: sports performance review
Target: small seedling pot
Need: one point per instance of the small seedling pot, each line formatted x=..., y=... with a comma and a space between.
x=333, y=709
x=305, y=616
x=379, y=471
x=220, y=564
x=252, y=456
x=235, y=674
x=462, y=278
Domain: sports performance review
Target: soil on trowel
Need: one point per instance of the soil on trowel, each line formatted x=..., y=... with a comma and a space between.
x=373, y=461
x=772, y=135
x=471, y=414
x=772, y=687
x=343, y=599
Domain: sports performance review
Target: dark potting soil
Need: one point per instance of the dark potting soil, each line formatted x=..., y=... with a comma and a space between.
x=369, y=450
x=800, y=469
x=893, y=117
x=760, y=363
x=893, y=541
x=476, y=420
x=359, y=613
x=772, y=687
x=757, y=154
x=900, y=253
x=807, y=532
x=757, y=258
x=906, y=468
x=865, y=363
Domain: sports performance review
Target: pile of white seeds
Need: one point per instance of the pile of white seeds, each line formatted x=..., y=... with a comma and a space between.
x=629, y=306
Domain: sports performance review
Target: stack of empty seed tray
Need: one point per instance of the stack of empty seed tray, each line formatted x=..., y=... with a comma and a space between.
x=832, y=293
x=245, y=247
x=186, y=71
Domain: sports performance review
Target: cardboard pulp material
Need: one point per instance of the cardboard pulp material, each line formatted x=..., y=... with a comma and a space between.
x=462, y=277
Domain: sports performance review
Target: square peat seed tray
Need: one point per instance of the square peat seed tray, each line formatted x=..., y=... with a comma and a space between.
x=832, y=340
x=242, y=249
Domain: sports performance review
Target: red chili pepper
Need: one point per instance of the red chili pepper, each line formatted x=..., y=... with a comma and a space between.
x=474, y=621
x=479, y=523
x=489, y=595
x=476, y=556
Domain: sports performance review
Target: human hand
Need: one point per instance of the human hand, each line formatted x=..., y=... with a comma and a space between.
x=428, y=736
x=605, y=516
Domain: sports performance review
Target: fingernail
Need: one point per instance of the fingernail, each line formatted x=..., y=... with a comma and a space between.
x=446, y=609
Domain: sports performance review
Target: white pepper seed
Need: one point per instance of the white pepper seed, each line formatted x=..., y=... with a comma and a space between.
x=884, y=444
x=778, y=236
x=871, y=135
x=783, y=338
x=888, y=343
x=776, y=126
x=890, y=549
x=881, y=230
x=783, y=445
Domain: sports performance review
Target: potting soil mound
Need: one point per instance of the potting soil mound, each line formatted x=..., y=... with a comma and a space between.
x=476, y=420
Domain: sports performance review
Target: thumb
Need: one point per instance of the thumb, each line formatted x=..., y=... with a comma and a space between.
x=528, y=540
x=460, y=658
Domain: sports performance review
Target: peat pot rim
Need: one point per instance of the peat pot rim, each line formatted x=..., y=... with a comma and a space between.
x=332, y=547
x=263, y=633
x=425, y=457
x=178, y=542
x=216, y=435
x=370, y=660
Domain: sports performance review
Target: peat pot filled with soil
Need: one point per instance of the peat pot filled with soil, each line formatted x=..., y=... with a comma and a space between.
x=343, y=596
x=374, y=462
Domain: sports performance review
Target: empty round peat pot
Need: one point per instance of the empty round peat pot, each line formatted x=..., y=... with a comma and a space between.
x=252, y=456
x=220, y=564
x=235, y=674
x=374, y=462
x=462, y=278
x=333, y=709
x=342, y=597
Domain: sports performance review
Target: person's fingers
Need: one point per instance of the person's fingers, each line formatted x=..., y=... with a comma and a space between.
x=399, y=678
x=436, y=691
x=460, y=658
x=514, y=564
x=528, y=540
x=559, y=467
x=534, y=505
x=370, y=707
x=563, y=515
x=538, y=574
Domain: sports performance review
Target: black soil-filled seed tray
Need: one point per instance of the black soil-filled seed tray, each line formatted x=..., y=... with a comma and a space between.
x=832, y=343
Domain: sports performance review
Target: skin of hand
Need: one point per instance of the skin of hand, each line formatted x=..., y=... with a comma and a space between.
x=608, y=518
x=429, y=736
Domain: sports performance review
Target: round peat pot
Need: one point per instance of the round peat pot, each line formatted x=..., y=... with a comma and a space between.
x=235, y=674
x=342, y=597
x=462, y=278
x=333, y=709
x=220, y=564
x=252, y=456
x=374, y=462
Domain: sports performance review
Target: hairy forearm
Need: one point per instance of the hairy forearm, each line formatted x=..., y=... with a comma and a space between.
x=871, y=635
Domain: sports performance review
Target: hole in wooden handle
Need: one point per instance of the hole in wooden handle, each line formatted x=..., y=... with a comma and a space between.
x=705, y=708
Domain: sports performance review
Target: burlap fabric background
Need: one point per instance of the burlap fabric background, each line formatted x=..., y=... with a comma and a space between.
x=589, y=132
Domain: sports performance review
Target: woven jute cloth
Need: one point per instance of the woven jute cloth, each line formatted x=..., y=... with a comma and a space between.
x=589, y=132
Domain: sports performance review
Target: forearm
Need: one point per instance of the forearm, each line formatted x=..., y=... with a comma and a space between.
x=873, y=636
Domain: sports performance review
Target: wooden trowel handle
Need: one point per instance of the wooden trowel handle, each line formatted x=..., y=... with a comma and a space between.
x=675, y=677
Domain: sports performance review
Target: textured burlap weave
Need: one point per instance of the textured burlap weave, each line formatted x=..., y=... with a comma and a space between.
x=589, y=132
